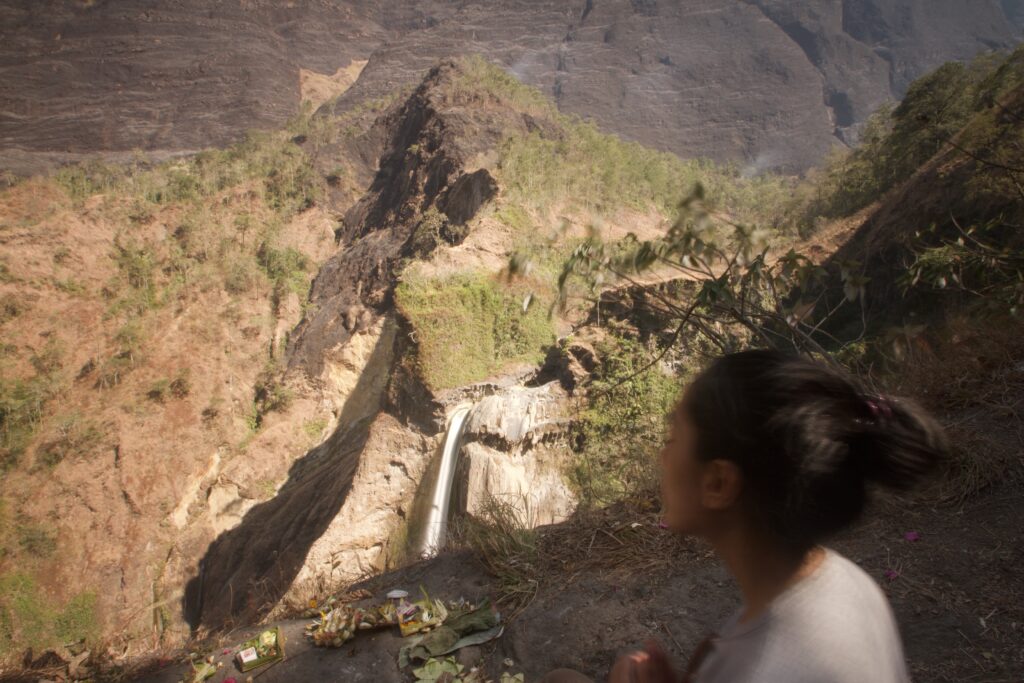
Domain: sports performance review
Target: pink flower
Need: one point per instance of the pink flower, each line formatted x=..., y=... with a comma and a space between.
x=912, y=536
x=891, y=574
x=662, y=524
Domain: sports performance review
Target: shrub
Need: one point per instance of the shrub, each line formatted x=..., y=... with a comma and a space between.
x=36, y=540
x=10, y=309
x=240, y=277
x=61, y=254
x=433, y=229
x=896, y=141
x=507, y=547
x=180, y=386
x=287, y=270
x=70, y=286
x=477, y=74
x=158, y=390
x=314, y=428
x=620, y=431
x=81, y=181
x=128, y=344
x=72, y=436
x=22, y=404
x=271, y=394
x=135, y=266
x=28, y=619
x=469, y=327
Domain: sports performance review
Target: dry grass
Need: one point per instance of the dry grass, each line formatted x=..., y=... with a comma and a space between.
x=624, y=538
x=506, y=548
x=970, y=373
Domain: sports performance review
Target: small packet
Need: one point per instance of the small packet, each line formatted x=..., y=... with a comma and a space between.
x=265, y=648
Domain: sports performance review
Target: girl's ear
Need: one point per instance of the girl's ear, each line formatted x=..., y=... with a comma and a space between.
x=720, y=484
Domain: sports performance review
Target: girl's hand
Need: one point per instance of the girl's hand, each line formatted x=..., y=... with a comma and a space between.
x=648, y=666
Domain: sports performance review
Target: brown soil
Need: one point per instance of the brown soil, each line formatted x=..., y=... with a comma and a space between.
x=958, y=597
x=150, y=460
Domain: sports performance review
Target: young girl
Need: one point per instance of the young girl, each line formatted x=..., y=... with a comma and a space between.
x=768, y=455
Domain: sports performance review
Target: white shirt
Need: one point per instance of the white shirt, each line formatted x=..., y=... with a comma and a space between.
x=834, y=626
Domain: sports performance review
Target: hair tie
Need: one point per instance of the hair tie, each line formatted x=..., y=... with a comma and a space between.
x=879, y=407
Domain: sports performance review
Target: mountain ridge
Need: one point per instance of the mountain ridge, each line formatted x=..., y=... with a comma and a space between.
x=796, y=79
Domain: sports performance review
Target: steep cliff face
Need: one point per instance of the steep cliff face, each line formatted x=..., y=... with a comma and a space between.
x=347, y=506
x=105, y=76
x=428, y=147
x=763, y=81
x=1014, y=10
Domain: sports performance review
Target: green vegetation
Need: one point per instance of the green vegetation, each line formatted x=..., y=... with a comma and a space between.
x=435, y=229
x=479, y=75
x=282, y=172
x=984, y=262
x=29, y=619
x=21, y=408
x=78, y=618
x=241, y=275
x=70, y=286
x=621, y=429
x=135, y=282
x=288, y=271
x=580, y=167
x=128, y=345
x=897, y=140
x=164, y=388
x=226, y=210
x=181, y=385
x=515, y=217
x=61, y=254
x=23, y=401
x=469, y=327
x=11, y=309
x=314, y=428
x=355, y=121
x=215, y=240
x=594, y=171
x=271, y=394
x=971, y=256
x=266, y=488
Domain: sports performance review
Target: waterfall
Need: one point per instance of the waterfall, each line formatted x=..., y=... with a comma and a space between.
x=437, y=515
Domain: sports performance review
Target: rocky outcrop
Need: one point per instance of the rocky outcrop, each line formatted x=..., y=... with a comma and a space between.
x=514, y=454
x=869, y=52
x=429, y=144
x=348, y=502
x=771, y=83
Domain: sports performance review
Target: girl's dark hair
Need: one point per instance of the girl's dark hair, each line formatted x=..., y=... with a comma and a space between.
x=808, y=439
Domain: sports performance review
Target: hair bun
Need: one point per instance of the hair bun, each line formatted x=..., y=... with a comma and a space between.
x=900, y=444
x=808, y=439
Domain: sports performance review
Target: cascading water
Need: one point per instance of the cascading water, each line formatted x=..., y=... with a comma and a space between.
x=437, y=516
